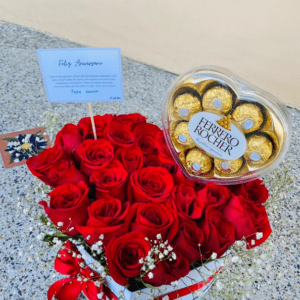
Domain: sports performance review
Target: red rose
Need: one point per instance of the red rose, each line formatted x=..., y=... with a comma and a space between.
x=110, y=181
x=105, y=216
x=145, y=135
x=119, y=135
x=214, y=195
x=131, y=158
x=70, y=139
x=53, y=167
x=124, y=254
x=165, y=155
x=131, y=120
x=85, y=126
x=254, y=191
x=166, y=271
x=40, y=164
x=95, y=155
x=187, y=203
x=247, y=219
x=68, y=204
x=62, y=172
x=176, y=172
x=150, y=184
x=187, y=241
x=218, y=233
x=152, y=219
x=151, y=160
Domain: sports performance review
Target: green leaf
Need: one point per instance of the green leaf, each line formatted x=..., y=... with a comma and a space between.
x=44, y=219
x=11, y=160
x=11, y=139
x=148, y=285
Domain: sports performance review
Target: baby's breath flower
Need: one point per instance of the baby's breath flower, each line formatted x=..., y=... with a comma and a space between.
x=150, y=275
x=214, y=255
x=235, y=259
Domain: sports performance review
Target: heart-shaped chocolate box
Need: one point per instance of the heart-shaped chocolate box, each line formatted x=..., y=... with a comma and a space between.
x=220, y=128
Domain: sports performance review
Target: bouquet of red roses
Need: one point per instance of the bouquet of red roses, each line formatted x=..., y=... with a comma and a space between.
x=123, y=198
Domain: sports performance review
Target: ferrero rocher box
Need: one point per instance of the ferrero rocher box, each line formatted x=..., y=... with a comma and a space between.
x=220, y=128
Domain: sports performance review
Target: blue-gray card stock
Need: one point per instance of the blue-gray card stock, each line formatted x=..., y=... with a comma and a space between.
x=82, y=74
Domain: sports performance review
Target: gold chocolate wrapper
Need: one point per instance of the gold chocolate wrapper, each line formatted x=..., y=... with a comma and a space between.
x=185, y=106
x=181, y=138
x=259, y=150
x=203, y=85
x=274, y=139
x=268, y=124
x=198, y=162
x=225, y=168
x=218, y=100
x=249, y=116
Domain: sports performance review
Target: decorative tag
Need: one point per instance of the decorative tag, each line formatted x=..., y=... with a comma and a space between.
x=17, y=147
x=82, y=74
x=217, y=136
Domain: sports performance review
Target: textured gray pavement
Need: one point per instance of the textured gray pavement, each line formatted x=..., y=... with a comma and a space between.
x=22, y=104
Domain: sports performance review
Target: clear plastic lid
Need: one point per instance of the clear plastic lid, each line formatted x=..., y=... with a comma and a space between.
x=222, y=129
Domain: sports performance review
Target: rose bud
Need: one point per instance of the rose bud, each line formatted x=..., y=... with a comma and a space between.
x=105, y=216
x=119, y=135
x=145, y=136
x=168, y=271
x=124, y=255
x=68, y=205
x=54, y=167
x=85, y=126
x=70, y=139
x=110, y=181
x=248, y=219
x=186, y=202
x=218, y=233
x=95, y=155
x=152, y=219
x=187, y=241
x=214, y=195
x=150, y=184
x=255, y=191
x=131, y=120
x=131, y=158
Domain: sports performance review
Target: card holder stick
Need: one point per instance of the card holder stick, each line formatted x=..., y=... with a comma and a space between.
x=92, y=119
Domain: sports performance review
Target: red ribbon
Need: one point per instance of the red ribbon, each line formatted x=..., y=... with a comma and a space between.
x=84, y=279
x=188, y=290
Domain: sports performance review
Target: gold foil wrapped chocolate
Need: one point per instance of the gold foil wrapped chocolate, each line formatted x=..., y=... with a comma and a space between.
x=181, y=138
x=198, y=162
x=203, y=86
x=249, y=116
x=259, y=149
x=185, y=106
x=217, y=99
x=226, y=168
